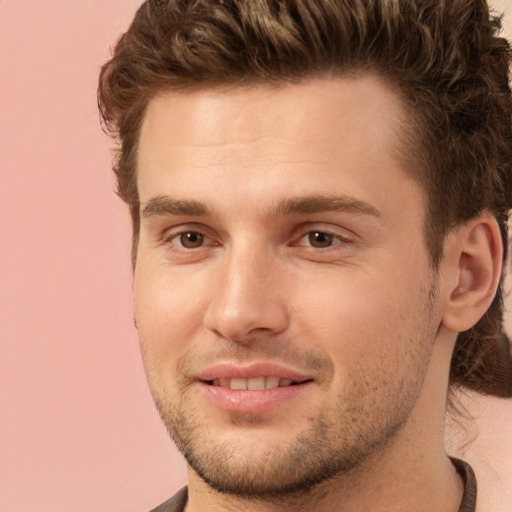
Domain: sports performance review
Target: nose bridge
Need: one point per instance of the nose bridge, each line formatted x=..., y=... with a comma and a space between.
x=247, y=298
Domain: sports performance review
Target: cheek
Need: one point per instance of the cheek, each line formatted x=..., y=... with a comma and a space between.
x=376, y=348
x=168, y=310
x=361, y=318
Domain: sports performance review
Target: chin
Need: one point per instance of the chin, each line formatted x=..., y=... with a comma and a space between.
x=240, y=464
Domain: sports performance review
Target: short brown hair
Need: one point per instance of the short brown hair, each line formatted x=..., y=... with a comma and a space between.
x=445, y=59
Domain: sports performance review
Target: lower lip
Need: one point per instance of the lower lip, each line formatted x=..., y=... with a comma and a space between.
x=251, y=402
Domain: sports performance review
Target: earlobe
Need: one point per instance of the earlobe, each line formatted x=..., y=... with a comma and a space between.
x=475, y=258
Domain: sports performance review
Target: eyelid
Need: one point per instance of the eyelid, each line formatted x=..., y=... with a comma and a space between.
x=337, y=241
x=344, y=235
x=174, y=232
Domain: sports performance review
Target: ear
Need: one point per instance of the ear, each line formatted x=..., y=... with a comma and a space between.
x=472, y=271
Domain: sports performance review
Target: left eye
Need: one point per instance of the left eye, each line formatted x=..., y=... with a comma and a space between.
x=190, y=239
x=322, y=239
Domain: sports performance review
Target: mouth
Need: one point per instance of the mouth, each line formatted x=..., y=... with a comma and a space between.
x=254, y=388
x=254, y=383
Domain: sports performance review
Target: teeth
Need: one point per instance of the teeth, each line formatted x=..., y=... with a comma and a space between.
x=238, y=384
x=255, y=383
x=272, y=382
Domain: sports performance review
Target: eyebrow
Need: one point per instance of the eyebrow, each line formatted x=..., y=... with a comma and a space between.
x=165, y=205
x=317, y=204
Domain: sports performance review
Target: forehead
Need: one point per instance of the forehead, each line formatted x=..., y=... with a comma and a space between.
x=240, y=114
x=341, y=132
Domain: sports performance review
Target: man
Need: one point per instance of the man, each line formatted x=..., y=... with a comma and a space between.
x=319, y=192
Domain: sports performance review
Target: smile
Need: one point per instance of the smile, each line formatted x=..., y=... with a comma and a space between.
x=252, y=388
x=253, y=384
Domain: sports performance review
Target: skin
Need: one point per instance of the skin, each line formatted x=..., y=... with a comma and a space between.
x=235, y=273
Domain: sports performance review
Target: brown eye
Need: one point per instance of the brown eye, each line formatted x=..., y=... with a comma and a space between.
x=320, y=240
x=191, y=239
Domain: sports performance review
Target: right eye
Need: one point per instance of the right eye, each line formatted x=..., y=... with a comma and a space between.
x=189, y=239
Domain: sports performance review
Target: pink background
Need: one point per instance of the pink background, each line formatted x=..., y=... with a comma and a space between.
x=78, y=430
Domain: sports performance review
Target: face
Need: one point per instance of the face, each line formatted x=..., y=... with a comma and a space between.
x=283, y=292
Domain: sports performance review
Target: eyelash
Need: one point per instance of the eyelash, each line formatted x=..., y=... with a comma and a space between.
x=335, y=239
x=171, y=238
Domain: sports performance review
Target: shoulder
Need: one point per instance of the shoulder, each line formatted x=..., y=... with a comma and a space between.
x=174, y=504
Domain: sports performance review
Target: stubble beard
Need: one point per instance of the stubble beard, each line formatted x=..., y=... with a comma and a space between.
x=334, y=443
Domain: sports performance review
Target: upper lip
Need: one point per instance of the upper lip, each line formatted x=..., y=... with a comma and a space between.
x=232, y=370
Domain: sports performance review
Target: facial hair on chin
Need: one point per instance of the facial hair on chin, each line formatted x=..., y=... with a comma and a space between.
x=337, y=438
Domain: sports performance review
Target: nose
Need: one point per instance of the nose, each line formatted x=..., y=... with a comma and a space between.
x=248, y=300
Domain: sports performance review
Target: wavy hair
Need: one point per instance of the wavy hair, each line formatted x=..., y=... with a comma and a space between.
x=445, y=59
